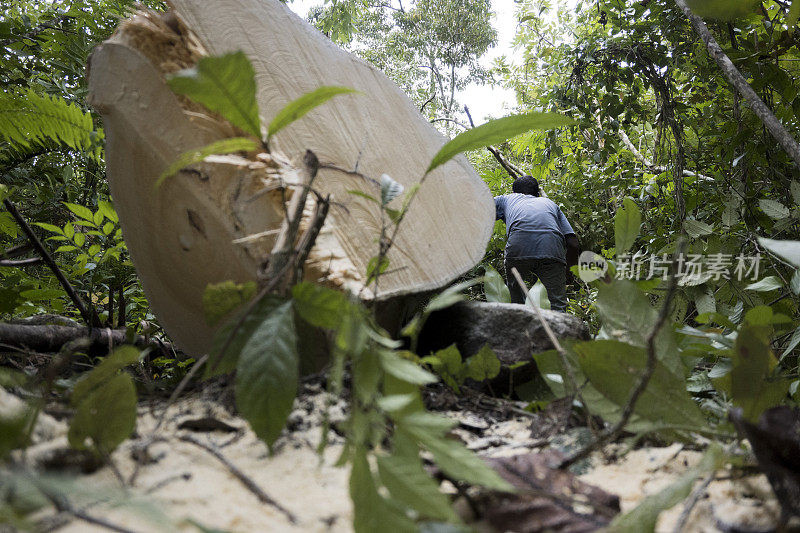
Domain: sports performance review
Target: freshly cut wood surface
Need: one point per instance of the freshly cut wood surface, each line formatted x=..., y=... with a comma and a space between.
x=181, y=236
x=378, y=132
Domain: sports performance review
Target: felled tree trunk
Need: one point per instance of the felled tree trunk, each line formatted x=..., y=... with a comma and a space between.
x=198, y=227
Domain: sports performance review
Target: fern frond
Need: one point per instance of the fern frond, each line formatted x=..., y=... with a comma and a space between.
x=29, y=119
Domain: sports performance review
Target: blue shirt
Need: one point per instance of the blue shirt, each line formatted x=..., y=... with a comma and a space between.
x=535, y=227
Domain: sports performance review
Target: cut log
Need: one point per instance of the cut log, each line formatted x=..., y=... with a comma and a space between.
x=198, y=227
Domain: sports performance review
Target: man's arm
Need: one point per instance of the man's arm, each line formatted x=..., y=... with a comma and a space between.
x=573, y=249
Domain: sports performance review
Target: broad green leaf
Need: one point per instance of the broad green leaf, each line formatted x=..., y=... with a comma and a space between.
x=225, y=146
x=267, y=374
x=106, y=415
x=721, y=9
x=220, y=299
x=113, y=363
x=705, y=303
x=496, y=131
x=456, y=460
x=390, y=189
x=224, y=352
x=299, y=107
x=537, y=295
x=376, y=266
x=371, y=512
x=633, y=321
x=753, y=385
x=108, y=211
x=50, y=227
x=224, y=84
x=791, y=20
x=793, y=343
x=787, y=250
x=794, y=187
x=13, y=426
x=483, y=365
x=643, y=518
x=448, y=364
x=366, y=375
x=396, y=402
x=613, y=368
x=494, y=287
x=767, y=284
x=773, y=209
x=627, y=222
x=695, y=228
x=451, y=295
x=320, y=306
x=730, y=216
x=404, y=369
x=407, y=482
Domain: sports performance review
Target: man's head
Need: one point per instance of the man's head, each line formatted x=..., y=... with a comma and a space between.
x=526, y=185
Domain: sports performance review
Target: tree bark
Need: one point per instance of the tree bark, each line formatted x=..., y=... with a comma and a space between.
x=771, y=122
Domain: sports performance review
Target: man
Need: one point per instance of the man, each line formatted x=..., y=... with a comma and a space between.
x=540, y=241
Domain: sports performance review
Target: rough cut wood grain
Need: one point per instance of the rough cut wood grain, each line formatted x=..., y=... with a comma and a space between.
x=181, y=235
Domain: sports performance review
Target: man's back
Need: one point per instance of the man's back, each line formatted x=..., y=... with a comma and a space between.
x=535, y=226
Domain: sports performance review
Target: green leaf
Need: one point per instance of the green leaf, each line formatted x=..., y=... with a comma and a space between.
x=31, y=121
x=79, y=210
x=643, y=518
x=224, y=84
x=793, y=343
x=225, y=146
x=371, y=512
x=106, y=415
x=773, y=209
x=447, y=363
x=626, y=225
x=94, y=250
x=794, y=187
x=722, y=9
x=753, y=385
x=613, y=368
x=113, y=363
x=791, y=21
x=787, y=250
x=362, y=194
x=494, y=287
x=695, y=228
x=79, y=239
x=767, y=284
x=537, y=295
x=267, y=374
x=496, y=131
x=795, y=283
x=632, y=322
x=299, y=107
x=108, y=211
x=454, y=459
x=404, y=369
x=223, y=360
x=483, y=365
x=451, y=295
x=320, y=306
x=390, y=189
x=407, y=482
x=50, y=227
x=220, y=299
x=377, y=265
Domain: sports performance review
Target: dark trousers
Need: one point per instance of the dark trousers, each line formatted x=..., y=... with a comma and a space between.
x=551, y=272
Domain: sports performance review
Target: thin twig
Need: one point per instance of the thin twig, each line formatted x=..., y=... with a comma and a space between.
x=90, y=318
x=513, y=171
x=562, y=354
x=770, y=121
x=680, y=525
x=613, y=432
x=262, y=496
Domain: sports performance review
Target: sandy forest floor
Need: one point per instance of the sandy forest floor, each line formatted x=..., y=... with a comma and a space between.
x=182, y=485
